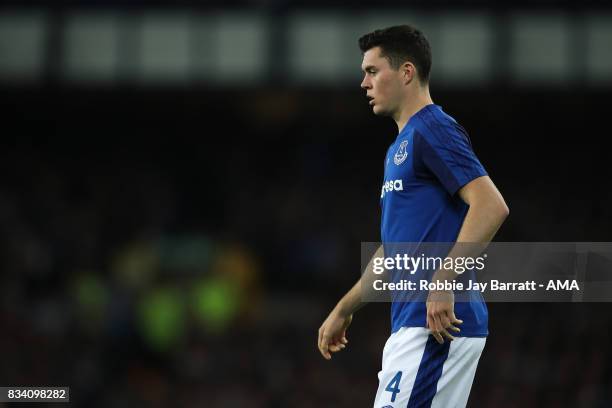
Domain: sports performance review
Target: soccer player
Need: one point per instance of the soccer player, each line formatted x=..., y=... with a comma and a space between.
x=434, y=190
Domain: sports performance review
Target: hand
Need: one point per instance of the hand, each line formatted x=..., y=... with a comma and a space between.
x=441, y=315
x=332, y=333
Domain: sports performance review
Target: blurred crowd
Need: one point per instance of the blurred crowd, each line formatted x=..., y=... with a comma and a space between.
x=181, y=250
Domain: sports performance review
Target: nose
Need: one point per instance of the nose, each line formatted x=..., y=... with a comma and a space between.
x=365, y=84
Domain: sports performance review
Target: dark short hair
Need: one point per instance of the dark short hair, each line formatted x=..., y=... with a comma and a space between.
x=399, y=44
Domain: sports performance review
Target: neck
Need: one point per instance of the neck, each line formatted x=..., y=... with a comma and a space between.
x=412, y=105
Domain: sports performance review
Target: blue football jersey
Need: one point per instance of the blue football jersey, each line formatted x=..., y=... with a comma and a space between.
x=426, y=165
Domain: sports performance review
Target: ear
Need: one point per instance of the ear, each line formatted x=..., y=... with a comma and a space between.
x=408, y=72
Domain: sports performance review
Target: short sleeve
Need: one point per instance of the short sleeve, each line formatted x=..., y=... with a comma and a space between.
x=446, y=151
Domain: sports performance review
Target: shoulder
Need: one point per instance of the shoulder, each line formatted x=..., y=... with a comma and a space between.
x=436, y=126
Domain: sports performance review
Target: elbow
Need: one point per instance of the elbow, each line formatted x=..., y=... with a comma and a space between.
x=496, y=211
x=502, y=212
x=493, y=209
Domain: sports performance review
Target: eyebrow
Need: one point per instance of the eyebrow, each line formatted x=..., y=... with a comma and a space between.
x=367, y=67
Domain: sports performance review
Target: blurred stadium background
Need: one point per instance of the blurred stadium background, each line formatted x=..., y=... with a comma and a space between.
x=186, y=185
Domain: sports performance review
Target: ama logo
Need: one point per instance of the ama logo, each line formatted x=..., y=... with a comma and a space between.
x=401, y=153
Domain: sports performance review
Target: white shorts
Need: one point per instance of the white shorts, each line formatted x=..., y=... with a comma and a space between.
x=417, y=371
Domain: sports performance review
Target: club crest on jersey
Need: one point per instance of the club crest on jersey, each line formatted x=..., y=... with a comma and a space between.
x=401, y=153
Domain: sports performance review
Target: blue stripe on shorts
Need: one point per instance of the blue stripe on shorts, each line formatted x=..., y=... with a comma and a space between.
x=430, y=371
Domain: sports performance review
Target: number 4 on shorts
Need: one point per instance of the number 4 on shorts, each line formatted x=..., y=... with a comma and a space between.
x=393, y=386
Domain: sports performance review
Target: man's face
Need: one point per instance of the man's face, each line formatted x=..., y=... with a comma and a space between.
x=383, y=84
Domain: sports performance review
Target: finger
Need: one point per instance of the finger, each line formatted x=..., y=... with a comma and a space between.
x=453, y=328
x=429, y=323
x=447, y=323
x=437, y=323
x=446, y=334
x=324, y=347
x=344, y=339
x=432, y=326
x=321, y=334
x=334, y=348
x=454, y=319
x=438, y=337
x=437, y=329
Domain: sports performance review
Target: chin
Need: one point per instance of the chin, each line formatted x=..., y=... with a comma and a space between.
x=378, y=110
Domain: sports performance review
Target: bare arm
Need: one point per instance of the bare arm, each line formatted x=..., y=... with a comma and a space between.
x=332, y=333
x=487, y=212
